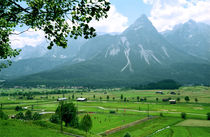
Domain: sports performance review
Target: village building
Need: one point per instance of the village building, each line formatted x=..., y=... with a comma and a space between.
x=159, y=92
x=172, y=101
x=81, y=99
x=61, y=99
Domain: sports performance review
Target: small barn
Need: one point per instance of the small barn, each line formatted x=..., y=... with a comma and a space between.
x=159, y=92
x=81, y=99
x=61, y=99
x=172, y=101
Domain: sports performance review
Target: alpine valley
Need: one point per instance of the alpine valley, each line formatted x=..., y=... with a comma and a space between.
x=139, y=55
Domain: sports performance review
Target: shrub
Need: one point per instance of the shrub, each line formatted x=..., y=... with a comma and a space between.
x=18, y=108
x=127, y=135
x=3, y=115
x=55, y=119
x=196, y=100
x=208, y=116
x=86, y=123
x=28, y=115
x=20, y=115
x=183, y=115
x=161, y=114
x=112, y=112
x=36, y=116
x=187, y=99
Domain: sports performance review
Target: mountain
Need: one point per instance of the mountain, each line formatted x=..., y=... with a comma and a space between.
x=139, y=55
x=191, y=37
x=37, y=59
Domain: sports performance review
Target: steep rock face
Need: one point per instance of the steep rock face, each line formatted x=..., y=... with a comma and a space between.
x=191, y=37
x=139, y=55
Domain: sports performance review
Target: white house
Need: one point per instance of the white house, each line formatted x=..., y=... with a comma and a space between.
x=81, y=99
x=61, y=99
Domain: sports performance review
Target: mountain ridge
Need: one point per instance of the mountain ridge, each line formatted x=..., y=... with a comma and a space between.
x=138, y=55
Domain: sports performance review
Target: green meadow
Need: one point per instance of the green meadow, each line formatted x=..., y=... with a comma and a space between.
x=108, y=110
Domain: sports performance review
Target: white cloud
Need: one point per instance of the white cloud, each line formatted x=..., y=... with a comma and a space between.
x=165, y=14
x=115, y=22
x=30, y=38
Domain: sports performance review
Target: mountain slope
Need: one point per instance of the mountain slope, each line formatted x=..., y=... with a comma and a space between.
x=37, y=59
x=139, y=55
x=192, y=38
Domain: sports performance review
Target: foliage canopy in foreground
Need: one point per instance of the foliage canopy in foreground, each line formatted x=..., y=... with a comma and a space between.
x=57, y=18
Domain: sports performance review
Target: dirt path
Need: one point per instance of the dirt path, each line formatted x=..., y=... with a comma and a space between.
x=113, y=130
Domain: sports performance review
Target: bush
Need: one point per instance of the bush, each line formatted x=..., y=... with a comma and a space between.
x=187, y=99
x=18, y=108
x=161, y=114
x=36, y=116
x=127, y=135
x=20, y=115
x=183, y=115
x=208, y=116
x=55, y=119
x=112, y=112
x=86, y=123
x=28, y=115
x=3, y=115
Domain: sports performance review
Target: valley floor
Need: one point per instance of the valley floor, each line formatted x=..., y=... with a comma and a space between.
x=109, y=110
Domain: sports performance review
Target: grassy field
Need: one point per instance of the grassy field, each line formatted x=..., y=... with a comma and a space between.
x=103, y=122
x=126, y=111
x=184, y=132
x=147, y=128
x=11, y=128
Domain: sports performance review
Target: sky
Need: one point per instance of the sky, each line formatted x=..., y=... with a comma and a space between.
x=164, y=15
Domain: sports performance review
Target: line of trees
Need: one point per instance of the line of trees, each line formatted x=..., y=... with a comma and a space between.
x=164, y=84
x=28, y=116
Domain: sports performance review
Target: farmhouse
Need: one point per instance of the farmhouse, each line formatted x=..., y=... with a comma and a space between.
x=172, y=101
x=61, y=99
x=81, y=99
x=159, y=92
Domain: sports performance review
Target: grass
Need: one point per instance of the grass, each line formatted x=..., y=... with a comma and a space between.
x=194, y=123
x=148, y=127
x=126, y=111
x=184, y=132
x=103, y=122
x=11, y=128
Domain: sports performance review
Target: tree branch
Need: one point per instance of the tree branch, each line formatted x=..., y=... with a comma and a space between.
x=20, y=32
x=19, y=6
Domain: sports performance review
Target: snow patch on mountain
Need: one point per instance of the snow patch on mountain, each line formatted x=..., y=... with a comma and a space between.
x=123, y=40
x=63, y=56
x=127, y=53
x=112, y=51
x=190, y=36
x=78, y=60
x=137, y=28
x=147, y=54
x=165, y=51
